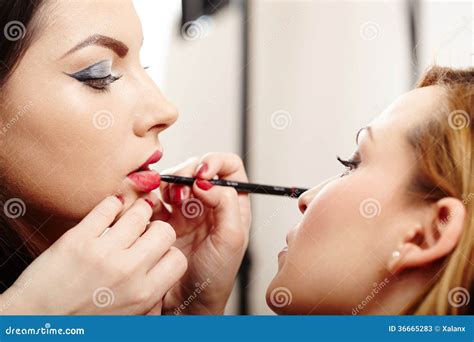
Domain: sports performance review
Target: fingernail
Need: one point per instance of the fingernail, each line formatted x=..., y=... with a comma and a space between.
x=202, y=168
x=150, y=203
x=177, y=194
x=204, y=184
x=120, y=197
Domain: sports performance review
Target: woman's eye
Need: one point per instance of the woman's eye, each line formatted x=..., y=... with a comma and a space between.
x=350, y=165
x=97, y=76
x=101, y=83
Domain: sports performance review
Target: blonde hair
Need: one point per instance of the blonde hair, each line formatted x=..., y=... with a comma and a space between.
x=443, y=147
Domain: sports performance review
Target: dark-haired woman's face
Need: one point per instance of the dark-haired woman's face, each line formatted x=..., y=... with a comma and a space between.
x=80, y=113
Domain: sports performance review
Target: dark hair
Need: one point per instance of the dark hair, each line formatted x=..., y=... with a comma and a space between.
x=16, y=18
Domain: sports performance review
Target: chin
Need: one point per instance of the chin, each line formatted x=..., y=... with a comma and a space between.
x=280, y=298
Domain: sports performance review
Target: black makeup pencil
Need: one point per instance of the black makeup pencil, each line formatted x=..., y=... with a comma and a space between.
x=240, y=187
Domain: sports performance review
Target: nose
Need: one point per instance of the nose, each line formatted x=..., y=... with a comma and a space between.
x=154, y=112
x=305, y=199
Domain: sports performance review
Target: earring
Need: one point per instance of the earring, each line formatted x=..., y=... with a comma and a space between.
x=395, y=256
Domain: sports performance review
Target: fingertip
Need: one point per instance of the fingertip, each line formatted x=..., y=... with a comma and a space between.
x=201, y=170
x=204, y=184
x=120, y=197
x=149, y=202
x=176, y=194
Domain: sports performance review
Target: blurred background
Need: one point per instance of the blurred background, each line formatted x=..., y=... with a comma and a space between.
x=286, y=84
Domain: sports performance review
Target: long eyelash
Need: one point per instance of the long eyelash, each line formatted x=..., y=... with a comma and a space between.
x=350, y=164
x=102, y=83
x=346, y=163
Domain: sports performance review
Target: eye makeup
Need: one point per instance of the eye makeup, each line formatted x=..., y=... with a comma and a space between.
x=350, y=164
x=98, y=76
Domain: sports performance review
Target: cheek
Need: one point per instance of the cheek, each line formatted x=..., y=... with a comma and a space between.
x=64, y=151
x=336, y=242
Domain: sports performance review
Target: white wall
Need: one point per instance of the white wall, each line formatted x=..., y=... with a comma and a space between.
x=446, y=29
x=200, y=75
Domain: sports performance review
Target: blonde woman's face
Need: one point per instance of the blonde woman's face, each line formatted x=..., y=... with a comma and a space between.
x=338, y=253
x=81, y=111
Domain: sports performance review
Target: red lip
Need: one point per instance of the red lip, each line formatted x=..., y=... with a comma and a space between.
x=283, y=251
x=154, y=158
x=144, y=179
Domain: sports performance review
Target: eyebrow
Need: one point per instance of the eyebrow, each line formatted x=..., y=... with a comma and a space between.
x=97, y=39
x=369, y=130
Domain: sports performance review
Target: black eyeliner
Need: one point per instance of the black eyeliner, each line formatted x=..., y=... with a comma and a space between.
x=100, y=69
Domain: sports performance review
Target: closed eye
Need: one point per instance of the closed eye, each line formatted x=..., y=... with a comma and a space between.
x=350, y=164
x=97, y=76
x=101, y=83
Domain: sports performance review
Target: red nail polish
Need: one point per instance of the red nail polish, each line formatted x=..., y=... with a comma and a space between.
x=202, y=168
x=120, y=197
x=204, y=184
x=176, y=195
x=150, y=203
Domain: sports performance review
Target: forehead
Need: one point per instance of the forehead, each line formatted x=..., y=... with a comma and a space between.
x=415, y=106
x=64, y=23
x=408, y=111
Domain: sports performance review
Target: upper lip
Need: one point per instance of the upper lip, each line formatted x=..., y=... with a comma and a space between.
x=154, y=158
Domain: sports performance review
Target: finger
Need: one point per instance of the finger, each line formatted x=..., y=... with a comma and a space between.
x=175, y=194
x=164, y=275
x=224, y=165
x=229, y=230
x=153, y=244
x=133, y=222
x=160, y=212
x=101, y=217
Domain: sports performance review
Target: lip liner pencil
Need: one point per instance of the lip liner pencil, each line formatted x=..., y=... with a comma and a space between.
x=240, y=187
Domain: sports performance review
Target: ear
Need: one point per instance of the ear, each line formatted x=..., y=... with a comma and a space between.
x=432, y=240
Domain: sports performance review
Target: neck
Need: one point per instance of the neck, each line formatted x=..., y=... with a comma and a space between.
x=401, y=291
x=40, y=231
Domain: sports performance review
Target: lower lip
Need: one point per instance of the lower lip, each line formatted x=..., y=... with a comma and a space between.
x=283, y=252
x=146, y=180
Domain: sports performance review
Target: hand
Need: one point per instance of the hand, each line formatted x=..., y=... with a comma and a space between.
x=212, y=226
x=93, y=270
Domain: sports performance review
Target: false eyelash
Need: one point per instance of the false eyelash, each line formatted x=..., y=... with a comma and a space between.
x=102, y=83
x=350, y=164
